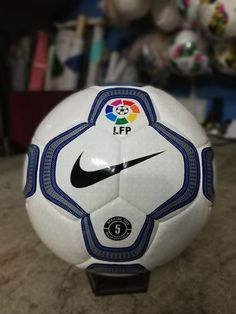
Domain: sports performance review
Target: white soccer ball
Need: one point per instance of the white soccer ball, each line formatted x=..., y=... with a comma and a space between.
x=188, y=54
x=132, y=9
x=119, y=179
x=188, y=9
x=225, y=57
x=165, y=15
x=218, y=18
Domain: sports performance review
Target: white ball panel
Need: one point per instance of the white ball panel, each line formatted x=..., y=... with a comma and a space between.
x=150, y=183
x=121, y=208
x=61, y=235
x=175, y=114
x=59, y=230
x=100, y=150
x=71, y=111
x=176, y=233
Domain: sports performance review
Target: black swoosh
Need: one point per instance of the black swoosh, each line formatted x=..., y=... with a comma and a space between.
x=81, y=178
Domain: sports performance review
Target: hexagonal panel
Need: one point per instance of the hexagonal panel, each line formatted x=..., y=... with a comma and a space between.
x=87, y=156
x=117, y=224
x=158, y=175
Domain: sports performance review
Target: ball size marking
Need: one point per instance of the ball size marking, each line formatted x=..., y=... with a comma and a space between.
x=117, y=228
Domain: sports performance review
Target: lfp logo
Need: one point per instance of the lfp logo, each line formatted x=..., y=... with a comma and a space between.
x=122, y=111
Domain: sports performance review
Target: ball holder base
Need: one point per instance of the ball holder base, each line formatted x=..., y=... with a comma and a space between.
x=107, y=285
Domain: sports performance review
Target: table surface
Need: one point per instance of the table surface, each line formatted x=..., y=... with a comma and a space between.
x=201, y=280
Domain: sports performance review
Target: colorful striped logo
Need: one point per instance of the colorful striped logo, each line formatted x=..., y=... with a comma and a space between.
x=122, y=111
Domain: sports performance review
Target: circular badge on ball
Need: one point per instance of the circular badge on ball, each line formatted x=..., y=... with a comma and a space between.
x=117, y=228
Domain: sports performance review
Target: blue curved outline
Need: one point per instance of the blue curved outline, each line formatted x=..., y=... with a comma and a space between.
x=147, y=227
x=151, y=120
x=208, y=174
x=53, y=179
x=157, y=213
x=31, y=176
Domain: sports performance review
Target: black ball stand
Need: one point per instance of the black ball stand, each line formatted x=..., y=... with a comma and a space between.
x=108, y=285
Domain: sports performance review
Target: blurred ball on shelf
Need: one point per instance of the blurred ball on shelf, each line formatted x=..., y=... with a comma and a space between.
x=188, y=10
x=165, y=15
x=149, y=53
x=188, y=54
x=218, y=18
x=121, y=11
x=225, y=57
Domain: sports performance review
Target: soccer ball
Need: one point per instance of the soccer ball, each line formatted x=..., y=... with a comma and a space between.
x=165, y=15
x=225, y=57
x=188, y=9
x=218, y=18
x=188, y=54
x=118, y=180
x=132, y=9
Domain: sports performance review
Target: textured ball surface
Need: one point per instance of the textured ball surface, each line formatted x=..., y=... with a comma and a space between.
x=225, y=57
x=132, y=9
x=188, y=10
x=218, y=18
x=165, y=15
x=118, y=191
x=188, y=54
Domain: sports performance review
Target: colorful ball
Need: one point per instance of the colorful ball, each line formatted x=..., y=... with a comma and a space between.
x=218, y=18
x=188, y=54
x=188, y=10
x=225, y=57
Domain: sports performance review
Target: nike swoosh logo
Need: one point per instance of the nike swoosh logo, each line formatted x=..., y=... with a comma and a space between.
x=81, y=178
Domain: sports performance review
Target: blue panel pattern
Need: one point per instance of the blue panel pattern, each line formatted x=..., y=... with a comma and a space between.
x=48, y=184
x=191, y=183
x=122, y=92
x=117, y=269
x=208, y=173
x=136, y=250
x=31, y=176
